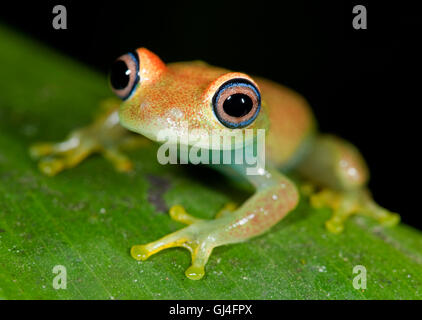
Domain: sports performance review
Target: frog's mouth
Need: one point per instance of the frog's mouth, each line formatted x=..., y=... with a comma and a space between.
x=183, y=139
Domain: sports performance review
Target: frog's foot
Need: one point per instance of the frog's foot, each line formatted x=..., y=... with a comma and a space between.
x=199, y=238
x=345, y=204
x=196, y=238
x=55, y=157
x=104, y=135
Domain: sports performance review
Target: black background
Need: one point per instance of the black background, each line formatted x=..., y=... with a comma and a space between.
x=363, y=85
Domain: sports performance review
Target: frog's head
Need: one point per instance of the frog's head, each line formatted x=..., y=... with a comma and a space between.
x=183, y=96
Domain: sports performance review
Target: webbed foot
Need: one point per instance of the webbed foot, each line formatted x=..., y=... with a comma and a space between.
x=345, y=204
x=104, y=136
x=199, y=237
x=55, y=157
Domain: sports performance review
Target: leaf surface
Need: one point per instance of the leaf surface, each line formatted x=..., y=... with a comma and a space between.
x=87, y=218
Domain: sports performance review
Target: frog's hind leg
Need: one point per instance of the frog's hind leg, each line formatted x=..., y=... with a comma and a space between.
x=347, y=203
x=340, y=170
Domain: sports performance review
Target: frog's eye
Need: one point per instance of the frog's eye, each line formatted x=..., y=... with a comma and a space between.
x=236, y=103
x=124, y=75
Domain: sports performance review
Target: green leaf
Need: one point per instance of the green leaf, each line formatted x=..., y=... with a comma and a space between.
x=87, y=218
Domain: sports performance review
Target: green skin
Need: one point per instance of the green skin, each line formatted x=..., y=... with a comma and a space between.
x=327, y=161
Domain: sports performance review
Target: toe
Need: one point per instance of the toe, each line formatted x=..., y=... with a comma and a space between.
x=39, y=150
x=390, y=220
x=51, y=167
x=195, y=272
x=140, y=252
x=178, y=213
x=334, y=226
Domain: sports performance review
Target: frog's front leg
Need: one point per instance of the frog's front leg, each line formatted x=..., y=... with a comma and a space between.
x=105, y=135
x=275, y=197
x=338, y=167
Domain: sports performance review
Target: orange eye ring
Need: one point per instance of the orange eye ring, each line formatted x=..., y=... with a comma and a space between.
x=237, y=103
x=124, y=75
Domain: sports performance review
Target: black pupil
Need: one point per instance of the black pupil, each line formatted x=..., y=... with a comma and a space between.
x=238, y=105
x=119, y=75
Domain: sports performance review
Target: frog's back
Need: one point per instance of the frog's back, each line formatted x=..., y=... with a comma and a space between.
x=291, y=123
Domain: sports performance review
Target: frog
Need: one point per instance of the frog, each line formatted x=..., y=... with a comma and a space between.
x=153, y=96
